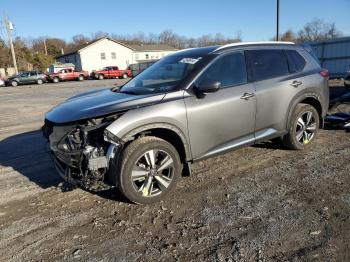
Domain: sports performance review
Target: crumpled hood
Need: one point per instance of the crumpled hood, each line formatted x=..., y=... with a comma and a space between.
x=98, y=103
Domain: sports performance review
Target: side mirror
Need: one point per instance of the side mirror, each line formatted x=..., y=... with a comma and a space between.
x=208, y=86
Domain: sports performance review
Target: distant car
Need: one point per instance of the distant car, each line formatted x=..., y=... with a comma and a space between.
x=68, y=74
x=111, y=72
x=27, y=77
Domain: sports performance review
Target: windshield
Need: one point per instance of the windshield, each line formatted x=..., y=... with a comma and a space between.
x=162, y=76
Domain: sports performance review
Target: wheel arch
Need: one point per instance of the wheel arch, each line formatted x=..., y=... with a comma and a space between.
x=312, y=99
x=165, y=131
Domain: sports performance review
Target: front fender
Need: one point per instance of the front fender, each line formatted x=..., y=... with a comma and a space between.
x=169, y=114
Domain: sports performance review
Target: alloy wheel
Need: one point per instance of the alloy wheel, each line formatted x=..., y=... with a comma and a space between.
x=306, y=127
x=152, y=173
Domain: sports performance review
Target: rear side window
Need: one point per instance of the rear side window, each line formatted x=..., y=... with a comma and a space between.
x=265, y=64
x=295, y=60
x=229, y=70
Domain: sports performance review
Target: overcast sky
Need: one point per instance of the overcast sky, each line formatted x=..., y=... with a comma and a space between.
x=254, y=18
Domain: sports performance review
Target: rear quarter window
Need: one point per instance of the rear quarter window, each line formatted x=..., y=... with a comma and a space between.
x=295, y=61
x=266, y=63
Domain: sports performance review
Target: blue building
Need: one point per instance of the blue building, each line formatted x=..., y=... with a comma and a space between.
x=334, y=55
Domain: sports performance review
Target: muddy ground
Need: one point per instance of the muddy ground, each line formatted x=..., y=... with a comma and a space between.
x=261, y=203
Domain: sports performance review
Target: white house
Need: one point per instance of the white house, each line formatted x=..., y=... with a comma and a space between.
x=109, y=52
x=144, y=53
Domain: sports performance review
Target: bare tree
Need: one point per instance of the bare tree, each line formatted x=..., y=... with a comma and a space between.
x=317, y=30
x=288, y=36
x=99, y=34
x=168, y=37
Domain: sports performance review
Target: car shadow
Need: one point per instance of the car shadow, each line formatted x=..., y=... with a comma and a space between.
x=27, y=153
x=271, y=144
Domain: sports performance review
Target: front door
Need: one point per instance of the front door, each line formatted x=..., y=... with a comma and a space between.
x=225, y=119
x=70, y=75
x=24, y=78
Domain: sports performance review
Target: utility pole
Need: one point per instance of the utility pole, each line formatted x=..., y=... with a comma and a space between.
x=278, y=21
x=9, y=28
x=45, y=46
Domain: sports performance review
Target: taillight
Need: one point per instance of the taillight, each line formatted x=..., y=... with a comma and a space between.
x=324, y=73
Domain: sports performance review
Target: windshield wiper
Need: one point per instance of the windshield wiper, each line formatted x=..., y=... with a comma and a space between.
x=127, y=92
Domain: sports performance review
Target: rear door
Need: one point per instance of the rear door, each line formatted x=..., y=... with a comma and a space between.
x=32, y=77
x=275, y=88
x=225, y=119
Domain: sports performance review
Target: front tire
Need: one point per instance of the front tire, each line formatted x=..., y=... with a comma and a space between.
x=40, y=82
x=304, y=125
x=56, y=80
x=80, y=78
x=101, y=77
x=149, y=170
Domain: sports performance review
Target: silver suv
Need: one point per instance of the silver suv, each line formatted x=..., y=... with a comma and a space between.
x=191, y=105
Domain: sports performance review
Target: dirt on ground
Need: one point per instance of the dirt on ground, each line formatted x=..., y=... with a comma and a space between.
x=260, y=203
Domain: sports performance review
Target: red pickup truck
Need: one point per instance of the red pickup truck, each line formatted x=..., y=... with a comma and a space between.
x=68, y=74
x=111, y=72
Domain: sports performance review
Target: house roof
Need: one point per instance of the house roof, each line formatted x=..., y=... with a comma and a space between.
x=91, y=43
x=159, y=47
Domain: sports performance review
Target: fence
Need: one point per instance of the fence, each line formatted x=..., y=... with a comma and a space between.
x=334, y=55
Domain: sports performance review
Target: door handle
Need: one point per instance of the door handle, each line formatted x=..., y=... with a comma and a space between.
x=296, y=83
x=246, y=96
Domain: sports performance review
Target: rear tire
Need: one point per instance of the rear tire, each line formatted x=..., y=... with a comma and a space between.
x=149, y=170
x=101, y=77
x=14, y=83
x=125, y=76
x=80, y=78
x=304, y=125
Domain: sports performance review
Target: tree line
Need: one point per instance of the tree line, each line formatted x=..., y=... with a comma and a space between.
x=41, y=52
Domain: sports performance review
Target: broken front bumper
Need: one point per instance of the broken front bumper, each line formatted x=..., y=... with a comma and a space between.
x=79, y=160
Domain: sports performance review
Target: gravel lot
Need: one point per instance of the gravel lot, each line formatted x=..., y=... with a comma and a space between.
x=261, y=203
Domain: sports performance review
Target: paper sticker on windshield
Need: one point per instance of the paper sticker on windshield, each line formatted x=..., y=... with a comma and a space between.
x=191, y=61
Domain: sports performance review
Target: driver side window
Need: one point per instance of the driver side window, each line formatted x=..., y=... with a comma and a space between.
x=229, y=70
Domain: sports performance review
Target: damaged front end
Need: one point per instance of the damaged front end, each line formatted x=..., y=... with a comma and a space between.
x=82, y=152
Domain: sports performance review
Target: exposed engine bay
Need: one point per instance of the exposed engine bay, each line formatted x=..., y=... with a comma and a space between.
x=82, y=152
